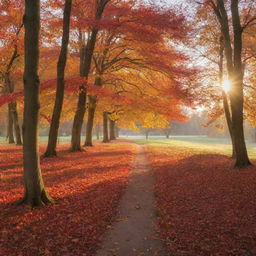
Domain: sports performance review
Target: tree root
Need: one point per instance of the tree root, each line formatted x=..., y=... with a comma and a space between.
x=37, y=200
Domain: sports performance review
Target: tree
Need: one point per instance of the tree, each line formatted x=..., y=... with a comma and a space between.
x=12, y=24
x=120, y=49
x=91, y=113
x=225, y=97
x=35, y=192
x=235, y=71
x=112, y=129
x=86, y=59
x=105, y=127
x=54, y=127
x=234, y=18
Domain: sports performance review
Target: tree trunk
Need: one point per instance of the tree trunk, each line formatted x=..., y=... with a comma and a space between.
x=235, y=73
x=91, y=112
x=13, y=122
x=224, y=96
x=229, y=122
x=89, y=126
x=10, y=126
x=35, y=193
x=78, y=121
x=59, y=96
x=85, y=66
x=237, y=126
x=112, y=135
x=147, y=133
x=237, y=94
x=16, y=123
x=97, y=130
x=117, y=131
x=12, y=107
x=105, y=127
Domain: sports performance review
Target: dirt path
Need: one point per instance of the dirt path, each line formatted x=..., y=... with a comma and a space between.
x=133, y=233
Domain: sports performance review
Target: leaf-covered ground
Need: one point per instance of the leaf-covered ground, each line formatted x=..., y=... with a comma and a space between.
x=204, y=206
x=88, y=186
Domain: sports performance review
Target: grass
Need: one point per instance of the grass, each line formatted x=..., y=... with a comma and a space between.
x=45, y=139
x=220, y=145
x=196, y=143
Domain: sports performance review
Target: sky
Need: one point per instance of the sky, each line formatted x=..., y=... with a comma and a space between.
x=186, y=5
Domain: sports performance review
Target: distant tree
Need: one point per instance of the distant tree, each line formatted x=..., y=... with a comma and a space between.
x=11, y=50
x=105, y=127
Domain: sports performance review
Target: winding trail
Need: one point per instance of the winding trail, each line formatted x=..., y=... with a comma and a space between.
x=134, y=231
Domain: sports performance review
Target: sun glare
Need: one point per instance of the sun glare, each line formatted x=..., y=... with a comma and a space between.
x=226, y=85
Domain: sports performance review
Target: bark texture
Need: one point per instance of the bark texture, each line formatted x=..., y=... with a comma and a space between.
x=35, y=193
x=89, y=126
x=91, y=113
x=13, y=124
x=97, y=130
x=10, y=126
x=105, y=127
x=59, y=96
x=117, y=131
x=112, y=132
x=13, y=119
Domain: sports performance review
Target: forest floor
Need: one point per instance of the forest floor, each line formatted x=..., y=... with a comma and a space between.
x=205, y=207
x=87, y=186
x=202, y=206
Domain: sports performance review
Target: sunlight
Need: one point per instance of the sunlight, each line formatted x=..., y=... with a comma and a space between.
x=226, y=85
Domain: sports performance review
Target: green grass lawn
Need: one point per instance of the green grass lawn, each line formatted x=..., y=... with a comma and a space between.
x=216, y=145
x=45, y=138
x=193, y=142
